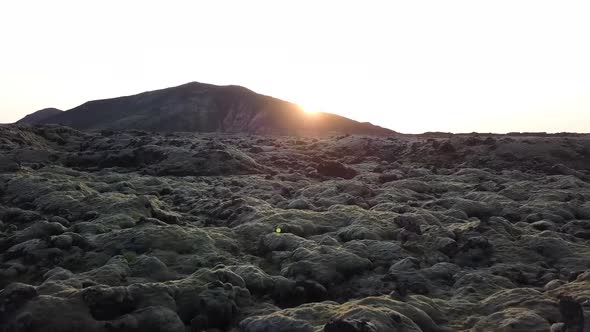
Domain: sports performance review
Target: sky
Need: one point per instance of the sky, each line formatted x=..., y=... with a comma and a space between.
x=412, y=66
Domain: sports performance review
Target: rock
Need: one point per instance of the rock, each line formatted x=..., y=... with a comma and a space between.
x=298, y=204
x=51, y=313
x=562, y=169
x=165, y=216
x=256, y=149
x=349, y=325
x=9, y=165
x=408, y=278
x=216, y=310
x=513, y=319
x=572, y=314
x=39, y=230
x=19, y=216
x=150, y=319
x=558, y=327
x=446, y=147
x=108, y=303
x=178, y=231
x=477, y=250
x=336, y=169
x=63, y=241
x=275, y=323
x=60, y=220
x=150, y=267
x=544, y=225
x=408, y=224
x=14, y=296
x=447, y=246
x=553, y=284
x=90, y=215
x=255, y=279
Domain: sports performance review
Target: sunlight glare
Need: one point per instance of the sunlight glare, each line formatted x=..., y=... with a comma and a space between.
x=309, y=110
x=445, y=66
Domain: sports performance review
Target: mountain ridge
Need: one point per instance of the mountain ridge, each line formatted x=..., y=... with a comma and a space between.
x=39, y=115
x=201, y=107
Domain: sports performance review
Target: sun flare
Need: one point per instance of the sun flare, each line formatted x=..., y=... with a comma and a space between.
x=309, y=110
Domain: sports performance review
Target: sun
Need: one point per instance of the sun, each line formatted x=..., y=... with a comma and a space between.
x=309, y=110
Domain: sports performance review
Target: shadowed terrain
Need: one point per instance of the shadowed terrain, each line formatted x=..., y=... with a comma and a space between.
x=136, y=231
x=40, y=116
x=199, y=107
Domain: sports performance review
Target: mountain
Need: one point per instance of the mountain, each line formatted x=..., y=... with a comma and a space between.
x=40, y=116
x=199, y=107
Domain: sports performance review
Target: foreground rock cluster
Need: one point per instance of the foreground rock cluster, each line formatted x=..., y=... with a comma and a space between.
x=136, y=231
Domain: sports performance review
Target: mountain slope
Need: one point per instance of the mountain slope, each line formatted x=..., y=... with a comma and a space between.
x=207, y=108
x=40, y=116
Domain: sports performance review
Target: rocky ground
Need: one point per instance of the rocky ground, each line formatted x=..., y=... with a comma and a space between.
x=136, y=231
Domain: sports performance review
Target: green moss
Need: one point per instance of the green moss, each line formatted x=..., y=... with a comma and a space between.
x=130, y=256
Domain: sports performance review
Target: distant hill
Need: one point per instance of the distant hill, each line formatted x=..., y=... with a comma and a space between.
x=40, y=116
x=199, y=107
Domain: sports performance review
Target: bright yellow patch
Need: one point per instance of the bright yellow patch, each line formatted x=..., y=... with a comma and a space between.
x=308, y=110
x=278, y=230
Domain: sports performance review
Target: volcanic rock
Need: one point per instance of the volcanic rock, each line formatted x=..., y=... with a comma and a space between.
x=128, y=230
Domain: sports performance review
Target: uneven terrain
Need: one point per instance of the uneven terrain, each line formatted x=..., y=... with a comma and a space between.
x=138, y=231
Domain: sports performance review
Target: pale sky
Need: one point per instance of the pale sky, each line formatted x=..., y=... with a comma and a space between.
x=411, y=66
